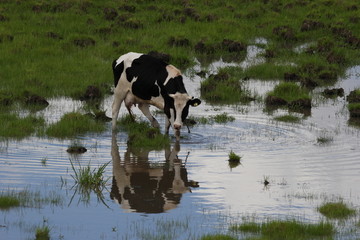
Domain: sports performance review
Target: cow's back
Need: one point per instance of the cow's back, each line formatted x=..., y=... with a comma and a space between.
x=147, y=75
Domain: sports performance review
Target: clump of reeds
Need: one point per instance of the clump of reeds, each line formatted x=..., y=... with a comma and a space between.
x=336, y=210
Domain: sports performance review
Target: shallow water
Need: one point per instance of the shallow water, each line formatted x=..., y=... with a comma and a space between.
x=151, y=194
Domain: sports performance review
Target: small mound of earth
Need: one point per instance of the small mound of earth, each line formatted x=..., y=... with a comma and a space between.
x=91, y=93
x=76, y=150
x=334, y=92
x=36, y=100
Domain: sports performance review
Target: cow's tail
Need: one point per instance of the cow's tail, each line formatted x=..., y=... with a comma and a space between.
x=117, y=70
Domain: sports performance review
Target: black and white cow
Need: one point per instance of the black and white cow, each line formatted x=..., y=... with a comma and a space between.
x=144, y=80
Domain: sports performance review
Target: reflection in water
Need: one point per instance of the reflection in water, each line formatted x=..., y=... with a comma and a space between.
x=141, y=186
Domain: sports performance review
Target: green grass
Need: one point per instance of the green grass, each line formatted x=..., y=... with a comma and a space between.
x=42, y=233
x=7, y=202
x=73, y=124
x=49, y=38
x=287, y=230
x=223, y=118
x=233, y=157
x=354, y=109
x=268, y=70
x=88, y=178
x=218, y=118
x=142, y=135
x=251, y=227
x=17, y=127
x=225, y=87
x=288, y=119
x=289, y=92
x=338, y=210
x=354, y=106
x=26, y=198
x=218, y=237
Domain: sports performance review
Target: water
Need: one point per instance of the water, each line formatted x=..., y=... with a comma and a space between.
x=155, y=193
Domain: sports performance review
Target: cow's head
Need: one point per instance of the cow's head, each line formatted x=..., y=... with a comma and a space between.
x=177, y=108
x=177, y=101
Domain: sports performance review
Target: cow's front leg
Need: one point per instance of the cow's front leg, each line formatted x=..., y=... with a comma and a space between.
x=167, y=126
x=146, y=111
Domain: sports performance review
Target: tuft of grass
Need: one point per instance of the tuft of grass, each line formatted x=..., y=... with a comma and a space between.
x=19, y=128
x=353, y=106
x=73, y=124
x=218, y=118
x=233, y=157
x=337, y=210
x=225, y=87
x=289, y=92
x=44, y=161
x=88, y=178
x=218, y=237
x=268, y=70
x=288, y=118
x=223, y=118
x=27, y=198
x=354, y=109
x=251, y=227
x=8, y=201
x=142, y=135
x=42, y=233
x=324, y=140
x=287, y=230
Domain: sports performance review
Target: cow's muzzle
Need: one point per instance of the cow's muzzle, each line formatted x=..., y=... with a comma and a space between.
x=177, y=127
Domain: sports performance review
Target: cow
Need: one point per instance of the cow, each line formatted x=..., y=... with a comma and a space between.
x=145, y=80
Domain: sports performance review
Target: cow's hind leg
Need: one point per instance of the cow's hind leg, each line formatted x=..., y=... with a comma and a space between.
x=146, y=111
x=119, y=97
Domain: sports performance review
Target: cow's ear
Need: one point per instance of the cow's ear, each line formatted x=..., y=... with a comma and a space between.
x=194, y=102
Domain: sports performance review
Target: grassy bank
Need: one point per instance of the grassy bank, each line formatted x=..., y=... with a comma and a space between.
x=58, y=48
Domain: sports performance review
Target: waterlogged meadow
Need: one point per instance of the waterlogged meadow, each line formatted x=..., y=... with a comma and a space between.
x=271, y=153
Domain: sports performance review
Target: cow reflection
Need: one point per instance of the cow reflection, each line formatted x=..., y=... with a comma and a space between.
x=139, y=185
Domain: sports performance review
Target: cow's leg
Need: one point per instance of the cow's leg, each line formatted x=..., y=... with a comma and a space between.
x=144, y=107
x=130, y=113
x=119, y=97
x=167, y=126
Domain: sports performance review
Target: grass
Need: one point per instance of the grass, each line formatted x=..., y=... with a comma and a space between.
x=233, y=157
x=289, y=92
x=218, y=237
x=290, y=229
x=218, y=118
x=18, y=128
x=223, y=118
x=89, y=178
x=354, y=109
x=63, y=50
x=225, y=87
x=288, y=119
x=26, y=198
x=141, y=135
x=42, y=233
x=7, y=202
x=338, y=210
x=268, y=70
x=324, y=140
x=73, y=124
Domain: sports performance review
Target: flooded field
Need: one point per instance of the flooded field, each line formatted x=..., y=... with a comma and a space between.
x=189, y=190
